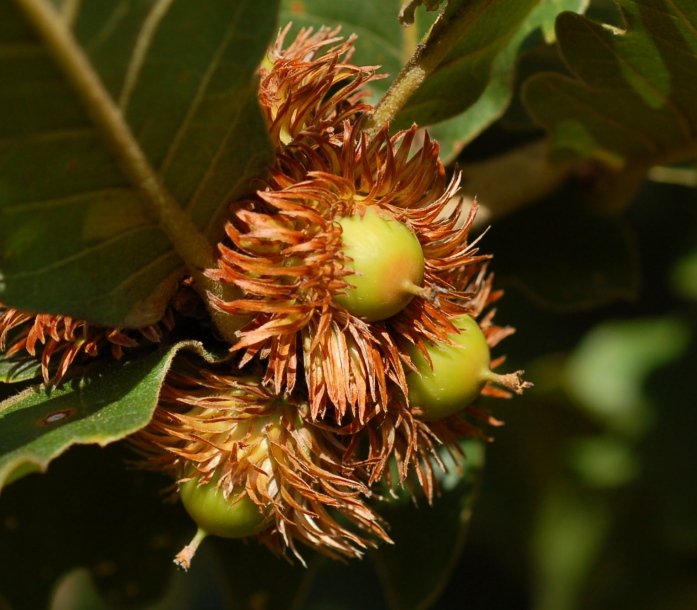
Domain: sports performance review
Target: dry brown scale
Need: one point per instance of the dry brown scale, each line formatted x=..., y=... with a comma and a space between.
x=50, y=336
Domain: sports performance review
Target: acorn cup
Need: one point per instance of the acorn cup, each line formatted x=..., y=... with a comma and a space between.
x=248, y=462
x=59, y=341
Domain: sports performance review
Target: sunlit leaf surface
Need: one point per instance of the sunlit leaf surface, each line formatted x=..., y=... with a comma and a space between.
x=455, y=133
x=472, y=87
x=465, y=73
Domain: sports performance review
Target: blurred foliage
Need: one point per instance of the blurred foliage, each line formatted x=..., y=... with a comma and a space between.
x=589, y=499
x=110, y=542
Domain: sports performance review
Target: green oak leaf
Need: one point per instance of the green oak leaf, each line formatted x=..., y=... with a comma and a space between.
x=16, y=369
x=406, y=13
x=474, y=83
x=111, y=400
x=633, y=95
x=77, y=231
x=455, y=133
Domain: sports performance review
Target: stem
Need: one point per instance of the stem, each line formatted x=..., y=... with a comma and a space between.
x=194, y=249
x=184, y=557
x=450, y=26
x=511, y=381
x=429, y=293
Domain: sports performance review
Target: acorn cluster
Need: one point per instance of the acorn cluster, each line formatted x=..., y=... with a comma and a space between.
x=365, y=336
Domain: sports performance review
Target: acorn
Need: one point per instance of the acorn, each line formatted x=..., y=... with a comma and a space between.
x=355, y=270
x=450, y=376
x=234, y=516
x=387, y=262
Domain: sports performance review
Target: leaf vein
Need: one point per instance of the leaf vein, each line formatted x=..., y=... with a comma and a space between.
x=682, y=121
x=49, y=136
x=221, y=147
x=593, y=109
x=48, y=204
x=133, y=276
x=199, y=97
x=21, y=49
x=89, y=250
x=691, y=26
x=140, y=51
x=191, y=246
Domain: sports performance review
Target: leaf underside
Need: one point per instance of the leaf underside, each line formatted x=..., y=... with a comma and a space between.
x=456, y=132
x=75, y=235
x=464, y=74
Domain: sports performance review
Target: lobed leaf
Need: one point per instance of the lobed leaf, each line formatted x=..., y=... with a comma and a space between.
x=473, y=86
x=406, y=13
x=76, y=233
x=632, y=98
x=455, y=133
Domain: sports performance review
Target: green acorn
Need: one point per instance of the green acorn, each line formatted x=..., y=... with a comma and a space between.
x=456, y=374
x=388, y=265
